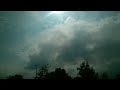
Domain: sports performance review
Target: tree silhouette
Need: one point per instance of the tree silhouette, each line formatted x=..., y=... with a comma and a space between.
x=76, y=78
x=17, y=76
x=104, y=75
x=86, y=72
x=43, y=72
x=117, y=76
x=59, y=74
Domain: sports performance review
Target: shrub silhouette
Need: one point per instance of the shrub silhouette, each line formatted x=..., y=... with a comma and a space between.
x=17, y=76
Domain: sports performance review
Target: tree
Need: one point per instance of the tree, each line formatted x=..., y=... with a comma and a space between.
x=17, y=76
x=86, y=72
x=117, y=76
x=76, y=78
x=59, y=74
x=43, y=72
x=104, y=75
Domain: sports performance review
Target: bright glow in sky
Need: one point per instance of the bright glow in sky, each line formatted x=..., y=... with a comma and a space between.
x=57, y=12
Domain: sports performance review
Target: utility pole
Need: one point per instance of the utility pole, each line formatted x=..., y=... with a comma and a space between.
x=36, y=70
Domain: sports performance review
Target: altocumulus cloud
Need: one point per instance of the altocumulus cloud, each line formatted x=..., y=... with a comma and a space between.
x=67, y=44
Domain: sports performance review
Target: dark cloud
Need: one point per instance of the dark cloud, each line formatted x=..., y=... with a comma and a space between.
x=29, y=38
x=70, y=42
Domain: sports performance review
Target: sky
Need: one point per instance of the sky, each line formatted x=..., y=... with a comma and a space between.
x=63, y=39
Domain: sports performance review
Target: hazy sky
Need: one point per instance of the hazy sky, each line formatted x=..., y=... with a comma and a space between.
x=60, y=40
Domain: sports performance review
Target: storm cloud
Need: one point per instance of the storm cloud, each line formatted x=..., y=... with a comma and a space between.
x=67, y=44
x=30, y=38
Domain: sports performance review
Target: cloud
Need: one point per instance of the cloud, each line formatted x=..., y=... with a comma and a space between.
x=27, y=39
x=67, y=44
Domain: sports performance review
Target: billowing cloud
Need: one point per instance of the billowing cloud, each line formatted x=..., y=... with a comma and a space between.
x=29, y=38
x=67, y=44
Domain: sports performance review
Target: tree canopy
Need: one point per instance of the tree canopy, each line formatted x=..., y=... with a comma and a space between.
x=86, y=72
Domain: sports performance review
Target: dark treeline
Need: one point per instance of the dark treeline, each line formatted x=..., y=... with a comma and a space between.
x=85, y=72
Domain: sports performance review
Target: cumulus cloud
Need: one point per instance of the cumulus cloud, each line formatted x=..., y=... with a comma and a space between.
x=67, y=44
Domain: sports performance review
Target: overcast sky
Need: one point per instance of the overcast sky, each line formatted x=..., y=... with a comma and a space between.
x=61, y=40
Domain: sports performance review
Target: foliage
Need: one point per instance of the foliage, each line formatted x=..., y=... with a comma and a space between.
x=17, y=76
x=86, y=72
x=59, y=74
x=43, y=72
x=104, y=75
